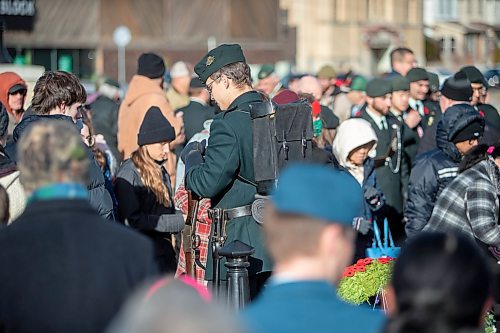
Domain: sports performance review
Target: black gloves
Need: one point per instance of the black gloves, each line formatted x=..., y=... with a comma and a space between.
x=192, y=154
x=372, y=196
x=362, y=225
x=195, y=145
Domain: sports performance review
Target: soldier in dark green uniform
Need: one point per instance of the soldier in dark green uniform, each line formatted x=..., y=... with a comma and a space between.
x=227, y=173
x=388, y=154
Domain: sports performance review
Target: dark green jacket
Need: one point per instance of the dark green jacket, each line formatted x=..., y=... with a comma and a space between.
x=389, y=182
x=229, y=154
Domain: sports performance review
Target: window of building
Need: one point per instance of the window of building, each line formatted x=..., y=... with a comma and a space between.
x=81, y=62
x=447, y=10
x=453, y=45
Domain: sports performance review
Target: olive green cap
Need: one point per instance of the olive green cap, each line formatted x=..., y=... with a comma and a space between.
x=378, y=87
x=433, y=82
x=417, y=74
x=400, y=83
x=217, y=58
x=326, y=72
x=265, y=71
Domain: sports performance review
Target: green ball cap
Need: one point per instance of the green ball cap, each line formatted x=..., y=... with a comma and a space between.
x=378, y=87
x=217, y=58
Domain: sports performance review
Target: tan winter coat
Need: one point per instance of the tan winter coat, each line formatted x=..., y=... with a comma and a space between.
x=15, y=191
x=141, y=95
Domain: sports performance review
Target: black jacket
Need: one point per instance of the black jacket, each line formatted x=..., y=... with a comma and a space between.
x=99, y=196
x=434, y=169
x=138, y=208
x=492, y=121
x=65, y=269
x=105, y=121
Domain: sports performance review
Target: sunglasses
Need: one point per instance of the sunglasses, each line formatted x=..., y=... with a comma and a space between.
x=21, y=91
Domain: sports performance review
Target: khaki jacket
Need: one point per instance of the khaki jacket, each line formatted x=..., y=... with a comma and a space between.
x=141, y=95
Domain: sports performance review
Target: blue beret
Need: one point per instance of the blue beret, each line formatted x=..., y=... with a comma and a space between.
x=319, y=192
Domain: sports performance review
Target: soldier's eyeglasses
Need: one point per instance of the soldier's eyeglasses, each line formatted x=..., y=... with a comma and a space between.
x=209, y=86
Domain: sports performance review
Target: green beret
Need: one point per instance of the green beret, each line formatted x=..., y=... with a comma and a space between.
x=417, y=74
x=400, y=83
x=326, y=72
x=433, y=82
x=265, y=71
x=217, y=58
x=378, y=88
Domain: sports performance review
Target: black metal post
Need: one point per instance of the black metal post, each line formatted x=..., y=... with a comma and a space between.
x=236, y=253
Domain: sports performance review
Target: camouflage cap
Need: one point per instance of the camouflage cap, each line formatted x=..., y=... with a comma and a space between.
x=265, y=71
x=400, y=83
x=217, y=58
x=378, y=87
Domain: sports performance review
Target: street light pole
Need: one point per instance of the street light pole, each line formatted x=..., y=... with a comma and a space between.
x=121, y=37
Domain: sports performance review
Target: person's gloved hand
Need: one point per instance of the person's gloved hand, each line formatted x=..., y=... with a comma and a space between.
x=192, y=159
x=195, y=145
x=362, y=225
x=372, y=196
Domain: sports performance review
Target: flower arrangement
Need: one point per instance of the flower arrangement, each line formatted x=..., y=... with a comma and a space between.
x=365, y=279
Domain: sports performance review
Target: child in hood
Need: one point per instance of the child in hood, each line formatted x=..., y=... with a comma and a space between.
x=354, y=143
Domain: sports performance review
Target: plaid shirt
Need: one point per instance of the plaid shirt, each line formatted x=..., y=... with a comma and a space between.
x=470, y=204
x=202, y=230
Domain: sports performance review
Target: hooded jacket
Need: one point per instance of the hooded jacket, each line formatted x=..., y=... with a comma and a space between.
x=352, y=134
x=434, y=169
x=141, y=95
x=99, y=197
x=7, y=81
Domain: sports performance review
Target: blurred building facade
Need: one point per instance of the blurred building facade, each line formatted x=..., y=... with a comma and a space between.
x=76, y=35
x=464, y=31
x=354, y=34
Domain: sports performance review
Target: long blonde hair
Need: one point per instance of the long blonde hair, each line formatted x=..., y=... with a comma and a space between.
x=151, y=175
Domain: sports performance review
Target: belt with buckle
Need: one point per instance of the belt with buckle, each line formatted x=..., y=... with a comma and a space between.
x=233, y=213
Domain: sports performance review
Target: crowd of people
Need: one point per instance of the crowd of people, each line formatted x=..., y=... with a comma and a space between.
x=97, y=191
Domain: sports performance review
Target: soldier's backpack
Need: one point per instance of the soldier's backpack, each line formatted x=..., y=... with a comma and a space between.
x=281, y=134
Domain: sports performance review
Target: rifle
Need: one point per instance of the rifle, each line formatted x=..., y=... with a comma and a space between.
x=217, y=241
x=191, y=245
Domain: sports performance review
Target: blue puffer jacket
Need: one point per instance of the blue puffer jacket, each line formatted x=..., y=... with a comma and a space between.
x=434, y=169
x=99, y=196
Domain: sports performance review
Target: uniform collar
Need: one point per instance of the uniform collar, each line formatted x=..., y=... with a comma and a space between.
x=197, y=100
x=245, y=98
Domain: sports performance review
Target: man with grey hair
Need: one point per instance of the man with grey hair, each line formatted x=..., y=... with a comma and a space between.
x=174, y=305
x=63, y=268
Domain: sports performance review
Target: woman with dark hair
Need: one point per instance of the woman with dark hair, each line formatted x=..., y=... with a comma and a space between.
x=440, y=283
x=469, y=203
x=144, y=192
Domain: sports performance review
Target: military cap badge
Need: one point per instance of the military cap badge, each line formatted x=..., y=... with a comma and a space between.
x=210, y=60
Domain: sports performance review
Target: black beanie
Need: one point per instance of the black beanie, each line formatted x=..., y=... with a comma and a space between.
x=457, y=88
x=151, y=65
x=155, y=128
x=472, y=131
x=473, y=74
